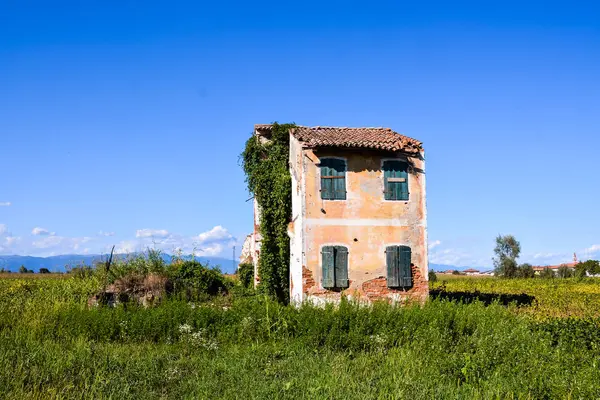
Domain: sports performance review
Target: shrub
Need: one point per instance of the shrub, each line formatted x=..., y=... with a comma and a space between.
x=564, y=272
x=245, y=274
x=194, y=280
x=525, y=271
x=547, y=273
x=44, y=271
x=432, y=276
x=82, y=271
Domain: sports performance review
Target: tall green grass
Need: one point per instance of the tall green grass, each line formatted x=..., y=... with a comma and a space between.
x=53, y=346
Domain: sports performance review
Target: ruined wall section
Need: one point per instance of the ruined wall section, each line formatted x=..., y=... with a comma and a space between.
x=365, y=223
x=296, y=225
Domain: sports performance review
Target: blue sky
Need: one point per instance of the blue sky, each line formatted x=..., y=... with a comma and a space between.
x=121, y=122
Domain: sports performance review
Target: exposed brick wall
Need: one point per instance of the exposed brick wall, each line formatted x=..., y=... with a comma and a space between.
x=308, y=282
x=371, y=290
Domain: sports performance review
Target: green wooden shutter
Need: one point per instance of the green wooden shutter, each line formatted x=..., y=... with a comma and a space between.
x=395, y=190
x=339, y=184
x=387, y=186
x=333, y=188
x=326, y=184
x=402, y=187
x=393, y=276
x=328, y=267
x=341, y=267
x=404, y=266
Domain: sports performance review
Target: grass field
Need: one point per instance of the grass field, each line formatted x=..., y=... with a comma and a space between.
x=246, y=346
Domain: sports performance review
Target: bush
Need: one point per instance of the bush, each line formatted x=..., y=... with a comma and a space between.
x=196, y=280
x=82, y=271
x=525, y=271
x=547, y=273
x=564, y=272
x=432, y=276
x=245, y=274
x=44, y=271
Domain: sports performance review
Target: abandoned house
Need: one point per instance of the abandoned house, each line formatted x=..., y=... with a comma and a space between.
x=359, y=221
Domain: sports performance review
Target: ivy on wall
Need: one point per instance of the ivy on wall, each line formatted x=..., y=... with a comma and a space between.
x=268, y=179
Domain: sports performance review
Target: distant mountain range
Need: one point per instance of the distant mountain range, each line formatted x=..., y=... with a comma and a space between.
x=63, y=262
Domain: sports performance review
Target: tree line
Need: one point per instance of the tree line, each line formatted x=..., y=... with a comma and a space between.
x=508, y=250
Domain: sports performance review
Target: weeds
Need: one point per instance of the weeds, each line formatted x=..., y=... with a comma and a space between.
x=244, y=345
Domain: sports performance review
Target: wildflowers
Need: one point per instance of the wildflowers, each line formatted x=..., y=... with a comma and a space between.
x=198, y=339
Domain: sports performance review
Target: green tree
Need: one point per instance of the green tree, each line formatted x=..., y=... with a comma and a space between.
x=580, y=270
x=23, y=270
x=591, y=267
x=525, y=271
x=44, y=271
x=507, y=252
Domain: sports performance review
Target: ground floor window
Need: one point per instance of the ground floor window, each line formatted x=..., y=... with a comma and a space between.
x=399, y=271
x=335, y=267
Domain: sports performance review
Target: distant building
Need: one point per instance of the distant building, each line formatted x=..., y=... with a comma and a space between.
x=471, y=271
x=539, y=268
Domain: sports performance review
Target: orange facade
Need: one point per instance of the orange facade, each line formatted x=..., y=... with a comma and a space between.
x=364, y=222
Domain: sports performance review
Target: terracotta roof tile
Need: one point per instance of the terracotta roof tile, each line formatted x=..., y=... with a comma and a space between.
x=366, y=138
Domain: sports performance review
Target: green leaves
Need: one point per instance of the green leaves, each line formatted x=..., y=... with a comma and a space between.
x=268, y=179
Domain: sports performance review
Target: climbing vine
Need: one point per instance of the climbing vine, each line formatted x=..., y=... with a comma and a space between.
x=268, y=179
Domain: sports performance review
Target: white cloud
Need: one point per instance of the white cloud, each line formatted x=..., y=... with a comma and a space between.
x=37, y=231
x=458, y=257
x=127, y=246
x=5, y=204
x=156, y=233
x=213, y=242
x=434, y=244
x=592, y=249
x=49, y=241
x=215, y=234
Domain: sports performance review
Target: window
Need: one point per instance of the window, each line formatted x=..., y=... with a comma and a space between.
x=399, y=271
x=335, y=267
x=395, y=180
x=333, y=179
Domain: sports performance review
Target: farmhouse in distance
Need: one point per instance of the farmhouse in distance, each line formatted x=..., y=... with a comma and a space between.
x=359, y=220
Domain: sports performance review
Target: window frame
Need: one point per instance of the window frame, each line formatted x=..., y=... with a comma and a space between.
x=384, y=181
x=320, y=167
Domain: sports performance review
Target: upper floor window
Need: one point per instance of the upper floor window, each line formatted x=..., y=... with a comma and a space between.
x=335, y=267
x=395, y=180
x=399, y=267
x=333, y=179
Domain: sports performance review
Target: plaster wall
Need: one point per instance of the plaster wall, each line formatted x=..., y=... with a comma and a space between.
x=365, y=223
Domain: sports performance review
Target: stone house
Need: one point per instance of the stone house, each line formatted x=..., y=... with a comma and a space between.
x=359, y=220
